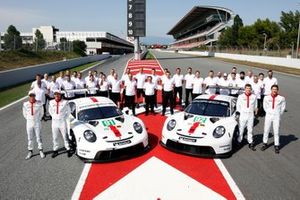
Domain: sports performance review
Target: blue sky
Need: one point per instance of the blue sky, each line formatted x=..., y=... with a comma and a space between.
x=104, y=15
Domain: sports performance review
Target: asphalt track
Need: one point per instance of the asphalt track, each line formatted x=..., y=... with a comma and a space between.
x=259, y=175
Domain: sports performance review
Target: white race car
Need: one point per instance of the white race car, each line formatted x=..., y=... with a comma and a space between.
x=207, y=127
x=99, y=131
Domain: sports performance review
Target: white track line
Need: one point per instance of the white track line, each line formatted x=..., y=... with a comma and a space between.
x=233, y=186
x=81, y=182
x=23, y=98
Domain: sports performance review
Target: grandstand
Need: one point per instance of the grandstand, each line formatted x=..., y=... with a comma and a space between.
x=201, y=26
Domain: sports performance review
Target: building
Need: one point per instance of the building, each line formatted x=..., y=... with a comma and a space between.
x=97, y=42
x=201, y=26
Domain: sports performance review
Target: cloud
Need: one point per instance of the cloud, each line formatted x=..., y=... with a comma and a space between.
x=22, y=18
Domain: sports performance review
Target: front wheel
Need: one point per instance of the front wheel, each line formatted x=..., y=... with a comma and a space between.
x=73, y=143
x=235, y=143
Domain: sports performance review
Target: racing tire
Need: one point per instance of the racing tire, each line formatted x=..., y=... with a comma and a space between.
x=73, y=143
x=235, y=143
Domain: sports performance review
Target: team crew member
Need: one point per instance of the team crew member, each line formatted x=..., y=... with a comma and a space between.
x=87, y=78
x=60, y=79
x=241, y=82
x=103, y=86
x=224, y=82
x=269, y=82
x=274, y=105
x=110, y=78
x=124, y=78
x=168, y=86
x=59, y=111
x=32, y=112
x=249, y=78
x=115, y=85
x=52, y=87
x=233, y=83
x=149, y=88
x=247, y=106
x=38, y=79
x=91, y=84
x=197, y=85
x=188, y=79
x=74, y=76
x=155, y=79
x=130, y=90
x=68, y=84
x=210, y=81
x=178, y=79
x=140, y=80
x=233, y=71
x=257, y=88
x=80, y=84
x=40, y=96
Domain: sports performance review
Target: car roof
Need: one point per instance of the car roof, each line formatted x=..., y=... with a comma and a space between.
x=93, y=101
x=217, y=97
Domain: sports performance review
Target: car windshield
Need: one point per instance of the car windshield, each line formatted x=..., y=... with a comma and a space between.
x=98, y=113
x=209, y=108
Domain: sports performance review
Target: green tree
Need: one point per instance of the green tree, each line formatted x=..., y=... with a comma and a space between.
x=12, y=39
x=63, y=44
x=225, y=39
x=237, y=24
x=289, y=21
x=39, y=41
x=79, y=47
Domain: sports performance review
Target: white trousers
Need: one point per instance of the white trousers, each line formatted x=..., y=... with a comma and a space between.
x=269, y=119
x=59, y=127
x=246, y=119
x=34, y=128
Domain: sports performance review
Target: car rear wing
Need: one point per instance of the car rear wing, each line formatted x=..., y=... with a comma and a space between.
x=84, y=91
x=232, y=90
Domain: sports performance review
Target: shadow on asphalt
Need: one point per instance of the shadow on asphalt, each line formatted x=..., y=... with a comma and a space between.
x=284, y=140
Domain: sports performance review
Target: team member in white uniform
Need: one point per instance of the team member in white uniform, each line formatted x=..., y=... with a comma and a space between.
x=68, y=84
x=38, y=78
x=103, y=86
x=156, y=80
x=241, y=82
x=188, y=80
x=210, y=81
x=40, y=96
x=59, y=111
x=247, y=106
x=32, y=112
x=233, y=71
x=115, y=85
x=80, y=84
x=74, y=76
x=268, y=82
x=197, y=85
x=168, y=86
x=249, y=78
x=140, y=81
x=233, y=83
x=130, y=91
x=87, y=78
x=149, y=89
x=274, y=105
x=52, y=87
x=60, y=79
x=46, y=80
x=256, y=89
x=91, y=84
x=224, y=82
x=178, y=79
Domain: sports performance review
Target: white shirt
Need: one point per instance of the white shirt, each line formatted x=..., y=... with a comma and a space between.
x=256, y=89
x=149, y=88
x=208, y=81
x=47, y=82
x=249, y=79
x=197, y=85
x=224, y=83
x=59, y=111
x=125, y=78
x=168, y=84
x=92, y=85
x=40, y=95
x=155, y=79
x=80, y=84
x=69, y=85
x=43, y=85
x=52, y=87
x=130, y=87
x=178, y=80
x=237, y=76
x=274, y=106
x=60, y=80
x=268, y=84
x=246, y=104
x=110, y=78
x=33, y=112
x=233, y=83
x=74, y=79
x=103, y=86
x=189, y=78
x=140, y=79
x=241, y=83
x=115, y=86
x=218, y=80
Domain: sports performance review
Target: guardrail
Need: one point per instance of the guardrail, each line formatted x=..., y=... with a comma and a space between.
x=17, y=76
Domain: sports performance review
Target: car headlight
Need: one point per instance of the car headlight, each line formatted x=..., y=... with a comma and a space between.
x=89, y=136
x=171, y=124
x=219, y=131
x=137, y=127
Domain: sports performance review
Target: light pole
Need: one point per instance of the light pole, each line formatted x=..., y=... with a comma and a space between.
x=265, y=42
x=297, y=50
x=292, y=45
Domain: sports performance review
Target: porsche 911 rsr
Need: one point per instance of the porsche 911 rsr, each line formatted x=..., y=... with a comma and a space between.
x=208, y=126
x=99, y=131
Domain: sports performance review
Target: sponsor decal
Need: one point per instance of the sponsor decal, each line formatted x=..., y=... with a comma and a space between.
x=200, y=119
x=108, y=123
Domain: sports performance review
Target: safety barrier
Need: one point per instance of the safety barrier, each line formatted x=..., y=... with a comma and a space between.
x=17, y=76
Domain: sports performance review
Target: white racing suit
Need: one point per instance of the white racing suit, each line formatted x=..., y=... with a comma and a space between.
x=274, y=107
x=33, y=113
x=246, y=105
x=59, y=112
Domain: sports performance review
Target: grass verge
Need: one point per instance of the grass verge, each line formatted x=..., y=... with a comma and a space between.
x=12, y=94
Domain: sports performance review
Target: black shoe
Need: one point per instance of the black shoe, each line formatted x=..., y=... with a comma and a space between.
x=70, y=153
x=264, y=147
x=251, y=146
x=277, y=149
x=54, y=154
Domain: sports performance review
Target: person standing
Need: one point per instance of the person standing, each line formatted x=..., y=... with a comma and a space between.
x=168, y=86
x=188, y=80
x=59, y=111
x=32, y=112
x=197, y=85
x=233, y=84
x=274, y=105
x=155, y=79
x=224, y=82
x=269, y=82
x=210, y=83
x=110, y=79
x=178, y=79
x=67, y=85
x=60, y=79
x=80, y=84
x=103, y=86
x=130, y=91
x=247, y=106
x=149, y=88
x=40, y=96
x=52, y=87
x=115, y=86
x=257, y=88
x=91, y=85
x=140, y=80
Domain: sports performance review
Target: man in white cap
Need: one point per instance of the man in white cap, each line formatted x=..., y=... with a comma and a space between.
x=59, y=111
x=33, y=113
